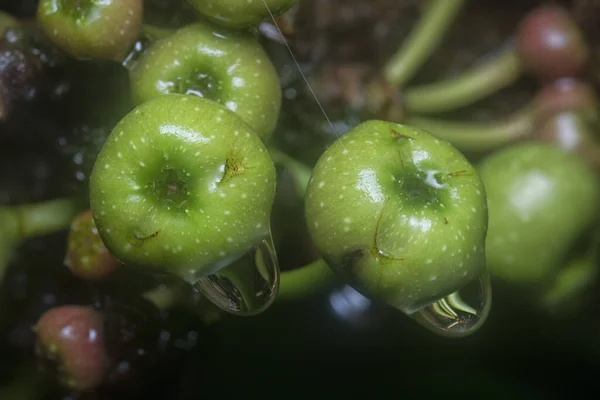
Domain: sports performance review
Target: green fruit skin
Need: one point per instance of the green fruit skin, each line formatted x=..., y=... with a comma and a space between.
x=97, y=29
x=241, y=13
x=400, y=214
x=226, y=178
x=240, y=73
x=540, y=199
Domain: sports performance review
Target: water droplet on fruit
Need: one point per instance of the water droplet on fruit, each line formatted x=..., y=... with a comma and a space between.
x=460, y=313
x=248, y=285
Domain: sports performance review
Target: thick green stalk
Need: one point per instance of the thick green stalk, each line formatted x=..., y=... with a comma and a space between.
x=474, y=84
x=422, y=41
x=47, y=217
x=478, y=137
x=6, y=21
x=300, y=172
x=30, y=220
x=306, y=281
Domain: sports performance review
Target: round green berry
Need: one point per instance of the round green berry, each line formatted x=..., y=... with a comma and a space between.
x=541, y=200
x=98, y=29
x=225, y=66
x=399, y=213
x=241, y=13
x=182, y=185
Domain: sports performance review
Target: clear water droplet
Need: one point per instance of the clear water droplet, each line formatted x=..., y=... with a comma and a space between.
x=248, y=285
x=460, y=313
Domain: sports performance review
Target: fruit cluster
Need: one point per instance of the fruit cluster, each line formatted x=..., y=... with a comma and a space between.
x=406, y=209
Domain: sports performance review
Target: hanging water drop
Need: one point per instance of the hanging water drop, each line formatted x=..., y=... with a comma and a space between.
x=248, y=285
x=460, y=313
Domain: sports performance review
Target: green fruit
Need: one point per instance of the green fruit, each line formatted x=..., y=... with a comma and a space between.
x=541, y=200
x=225, y=66
x=99, y=29
x=182, y=185
x=241, y=13
x=400, y=214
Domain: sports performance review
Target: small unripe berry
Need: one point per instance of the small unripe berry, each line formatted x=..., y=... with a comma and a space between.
x=87, y=257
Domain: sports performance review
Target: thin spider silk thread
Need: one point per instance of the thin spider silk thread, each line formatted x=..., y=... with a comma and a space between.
x=312, y=92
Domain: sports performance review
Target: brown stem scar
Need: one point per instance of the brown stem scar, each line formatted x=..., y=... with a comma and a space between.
x=458, y=173
x=234, y=166
x=144, y=238
x=398, y=135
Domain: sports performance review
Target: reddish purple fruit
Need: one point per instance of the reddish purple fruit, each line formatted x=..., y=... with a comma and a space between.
x=87, y=257
x=72, y=337
x=570, y=132
x=550, y=44
x=565, y=114
x=562, y=96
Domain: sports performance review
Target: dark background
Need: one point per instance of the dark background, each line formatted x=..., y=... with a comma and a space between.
x=291, y=350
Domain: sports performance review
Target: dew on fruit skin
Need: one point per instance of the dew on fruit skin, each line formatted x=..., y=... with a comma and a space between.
x=453, y=316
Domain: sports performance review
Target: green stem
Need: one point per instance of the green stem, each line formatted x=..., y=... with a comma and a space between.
x=306, y=281
x=153, y=32
x=170, y=295
x=422, y=41
x=47, y=217
x=313, y=278
x=573, y=280
x=6, y=21
x=478, y=137
x=30, y=220
x=300, y=172
x=467, y=88
x=163, y=296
